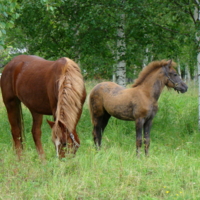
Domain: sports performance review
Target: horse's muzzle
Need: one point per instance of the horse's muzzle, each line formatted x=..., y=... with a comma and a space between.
x=181, y=87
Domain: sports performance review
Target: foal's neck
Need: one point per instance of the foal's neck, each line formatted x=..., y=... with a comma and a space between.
x=157, y=89
x=153, y=86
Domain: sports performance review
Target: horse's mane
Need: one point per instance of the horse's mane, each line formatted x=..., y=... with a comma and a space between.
x=70, y=95
x=148, y=69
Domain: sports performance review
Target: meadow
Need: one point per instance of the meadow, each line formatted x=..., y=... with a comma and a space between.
x=172, y=171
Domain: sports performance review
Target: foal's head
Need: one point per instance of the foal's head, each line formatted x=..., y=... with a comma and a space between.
x=173, y=80
x=64, y=141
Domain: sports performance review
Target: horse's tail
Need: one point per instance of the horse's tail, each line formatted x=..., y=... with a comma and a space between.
x=71, y=95
x=90, y=107
x=21, y=123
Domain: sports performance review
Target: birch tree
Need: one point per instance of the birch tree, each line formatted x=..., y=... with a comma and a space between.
x=121, y=50
x=109, y=32
x=197, y=21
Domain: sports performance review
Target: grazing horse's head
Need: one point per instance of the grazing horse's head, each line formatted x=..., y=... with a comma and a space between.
x=173, y=80
x=64, y=141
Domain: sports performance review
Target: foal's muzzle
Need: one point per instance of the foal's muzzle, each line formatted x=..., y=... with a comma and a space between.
x=181, y=87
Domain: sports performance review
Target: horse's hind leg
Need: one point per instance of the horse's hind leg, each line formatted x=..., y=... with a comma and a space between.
x=99, y=125
x=97, y=133
x=36, y=132
x=14, y=115
x=147, y=127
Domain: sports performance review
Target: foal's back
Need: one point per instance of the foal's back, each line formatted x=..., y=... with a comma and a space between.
x=108, y=98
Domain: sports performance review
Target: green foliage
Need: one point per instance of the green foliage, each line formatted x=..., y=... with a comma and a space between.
x=4, y=58
x=86, y=31
x=7, y=18
x=114, y=172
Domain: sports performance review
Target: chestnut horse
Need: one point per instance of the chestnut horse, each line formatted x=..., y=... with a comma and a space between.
x=138, y=103
x=45, y=88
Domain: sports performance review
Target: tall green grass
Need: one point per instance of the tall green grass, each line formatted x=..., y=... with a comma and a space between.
x=170, y=172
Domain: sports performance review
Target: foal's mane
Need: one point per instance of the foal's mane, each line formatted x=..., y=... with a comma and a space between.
x=70, y=94
x=148, y=69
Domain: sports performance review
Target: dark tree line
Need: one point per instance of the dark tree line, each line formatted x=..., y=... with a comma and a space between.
x=88, y=32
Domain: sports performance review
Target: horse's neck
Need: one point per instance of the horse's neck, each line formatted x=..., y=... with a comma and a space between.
x=153, y=88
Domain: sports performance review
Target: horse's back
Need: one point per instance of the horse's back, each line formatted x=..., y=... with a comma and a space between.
x=22, y=66
x=101, y=95
x=106, y=87
x=97, y=93
x=32, y=80
x=122, y=103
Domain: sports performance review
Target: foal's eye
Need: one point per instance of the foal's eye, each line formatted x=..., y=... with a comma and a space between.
x=175, y=74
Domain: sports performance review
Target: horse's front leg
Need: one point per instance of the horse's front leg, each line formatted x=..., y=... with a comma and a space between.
x=147, y=128
x=139, y=126
x=36, y=132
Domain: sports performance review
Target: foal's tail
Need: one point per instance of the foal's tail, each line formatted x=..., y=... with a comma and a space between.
x=71, y=94
x=90, y=107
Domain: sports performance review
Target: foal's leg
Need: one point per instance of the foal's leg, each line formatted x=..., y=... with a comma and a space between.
x=14, y=115
x=97, y=133
x=139, y=126
x=99, y=125
x=36, y=132
x=147, y=128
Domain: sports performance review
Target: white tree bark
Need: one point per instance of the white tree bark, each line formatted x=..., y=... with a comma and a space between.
x=197, y=18
x=179, y=68
x=187, y=74
x=198, y=64
x=146, y=59
x=121, y=48
x=114, y=73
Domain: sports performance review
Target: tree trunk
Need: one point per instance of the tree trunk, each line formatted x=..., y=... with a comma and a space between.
x=198, y=64
x=179, y=68
x=146, y=59
x=187, y=73
x=121, y=48
x=197, y=19
x=114, y=73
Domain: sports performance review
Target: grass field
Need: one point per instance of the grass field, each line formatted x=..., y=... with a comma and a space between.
x=172, y=171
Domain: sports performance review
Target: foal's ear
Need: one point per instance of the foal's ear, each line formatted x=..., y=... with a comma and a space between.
x=51, y=124
x=169, y=62
x=167, y=66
